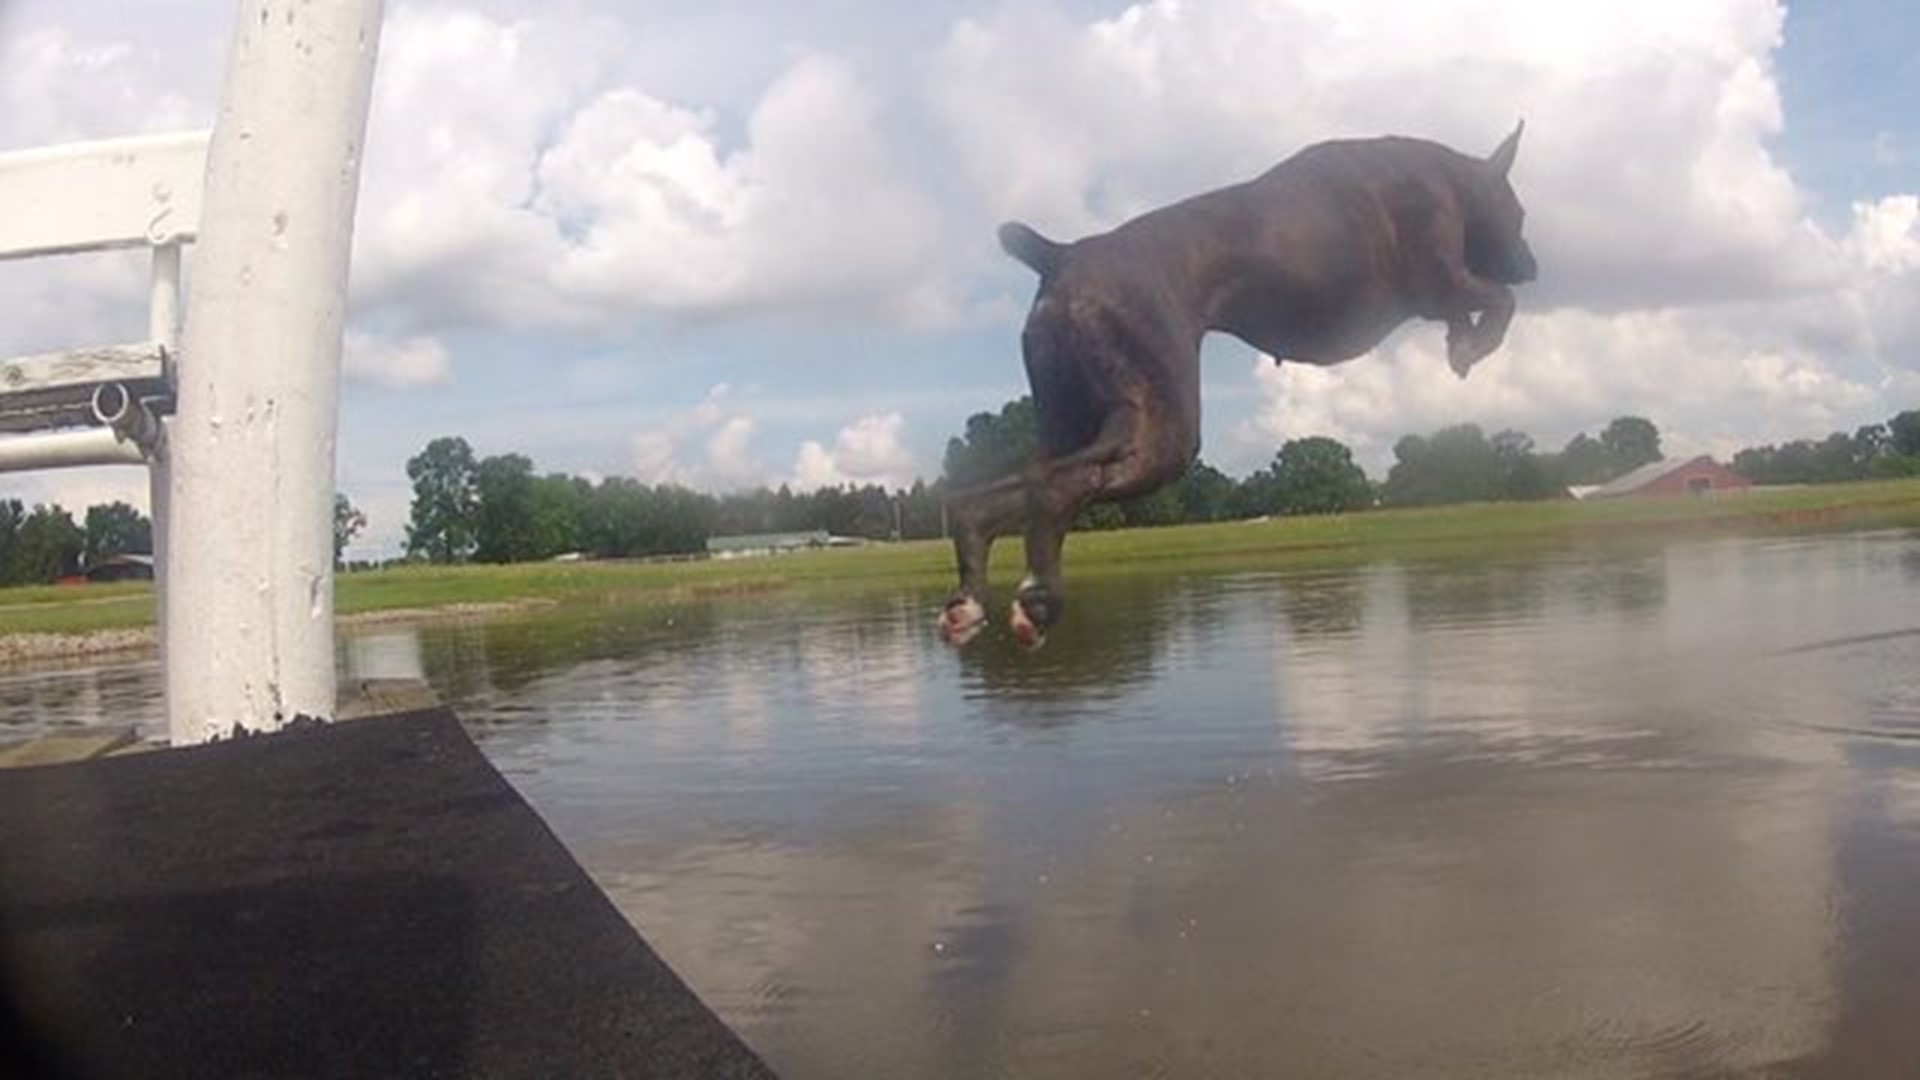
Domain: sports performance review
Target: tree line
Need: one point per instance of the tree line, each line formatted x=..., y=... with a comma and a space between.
x=1318, y=475
x=1873, y=451
x=45, y=543
x=501, y=509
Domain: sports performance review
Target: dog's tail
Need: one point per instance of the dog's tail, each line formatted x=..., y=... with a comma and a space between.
x=1038, y=252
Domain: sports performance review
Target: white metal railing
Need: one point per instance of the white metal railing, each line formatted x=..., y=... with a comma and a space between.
x=242, y=471
x=96, y=196
x=85, y=197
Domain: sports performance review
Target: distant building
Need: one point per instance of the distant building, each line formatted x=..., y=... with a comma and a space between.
x=736, y=547
x=1698, y=476
x=130, y=567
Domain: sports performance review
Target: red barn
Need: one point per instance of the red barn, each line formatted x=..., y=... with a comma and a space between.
x=1675, y=476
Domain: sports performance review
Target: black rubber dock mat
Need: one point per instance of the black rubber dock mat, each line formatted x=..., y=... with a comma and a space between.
x=369, y=899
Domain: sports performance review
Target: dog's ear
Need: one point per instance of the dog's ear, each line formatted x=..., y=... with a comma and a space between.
x=1021, y=242
x=1501, y=160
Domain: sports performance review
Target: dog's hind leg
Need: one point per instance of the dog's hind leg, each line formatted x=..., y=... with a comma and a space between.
x=976, y=516
x=1139, y=448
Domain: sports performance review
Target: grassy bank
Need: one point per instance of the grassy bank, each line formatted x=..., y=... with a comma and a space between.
x=1482, y=530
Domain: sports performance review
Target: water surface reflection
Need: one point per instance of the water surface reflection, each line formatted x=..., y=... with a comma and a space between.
x=1579, y=815
x=1592, y=813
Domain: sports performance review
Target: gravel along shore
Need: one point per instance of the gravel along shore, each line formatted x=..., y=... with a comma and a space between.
x=22, y=650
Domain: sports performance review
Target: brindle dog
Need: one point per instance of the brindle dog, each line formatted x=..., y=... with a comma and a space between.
x=1316, y=261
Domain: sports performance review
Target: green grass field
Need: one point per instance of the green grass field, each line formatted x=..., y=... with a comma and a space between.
x=1480, y=530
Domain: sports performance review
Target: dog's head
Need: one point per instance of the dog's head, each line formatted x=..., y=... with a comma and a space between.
x=1495, y=248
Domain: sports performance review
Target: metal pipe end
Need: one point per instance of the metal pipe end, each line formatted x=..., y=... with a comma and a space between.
x=112, y=404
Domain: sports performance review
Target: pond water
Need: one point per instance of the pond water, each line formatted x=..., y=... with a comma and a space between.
x=1593, y=812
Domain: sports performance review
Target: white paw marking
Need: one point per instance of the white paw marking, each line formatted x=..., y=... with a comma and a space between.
x=961, y=622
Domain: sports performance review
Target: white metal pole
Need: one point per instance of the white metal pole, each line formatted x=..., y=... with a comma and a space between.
x=249, y=618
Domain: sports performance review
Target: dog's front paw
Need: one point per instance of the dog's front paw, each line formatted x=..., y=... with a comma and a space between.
x=1465, y=348
x=962, y=620
x=1034, y=613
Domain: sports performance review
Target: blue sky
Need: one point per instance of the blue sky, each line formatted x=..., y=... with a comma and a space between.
x=751, y=242
x=1850, y=73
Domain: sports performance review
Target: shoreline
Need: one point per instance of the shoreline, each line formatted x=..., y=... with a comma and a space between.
x=36, y=647
x=1492, y=530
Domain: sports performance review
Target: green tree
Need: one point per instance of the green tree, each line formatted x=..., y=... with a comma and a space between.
x=441, y=527
x=1895, y=467
x=1836, y=460
x=558, y=500
x=1314, y=475
x=348, y=521
x=1585, y=461
x=1904, y=433
x=685, y=520
x=622, y=517
x=1764, y=465
x=993, y=444
x=1755, y=463
x=1871, y=442
x=503, y=509
x=13, y=514
x=614, y=519
x=1206, y=494
x=874, y=515
x=1455, y=464
x=920, y=511
x=1161, y=506
x=1524, y=475
x=40, y=546
x=116, y=529
x=1631, y=441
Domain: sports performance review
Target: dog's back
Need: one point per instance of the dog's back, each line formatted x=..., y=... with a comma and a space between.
x=1316, y=259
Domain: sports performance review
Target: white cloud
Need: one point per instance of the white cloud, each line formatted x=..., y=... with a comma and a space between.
x=518, y=176
x=73, y=300
x=1682, y=276
x=1666, y=195
x=708, y=447
x=1710, y=385
x=446, y=235
x=867, y=451
x=653, y=458
x=1883, y=295
x=711, y=446
x=396, y=364
x=515, y=179
x=58, y=88
x=810, y=211
x=730, y=462
x=521, y=171
x=1885, y=237
x=554, y=174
